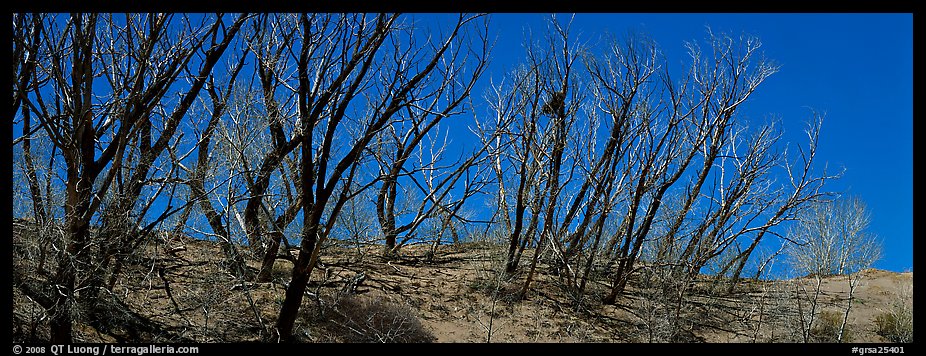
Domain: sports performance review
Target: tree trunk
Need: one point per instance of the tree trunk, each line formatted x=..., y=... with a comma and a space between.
x=78, y=201
x=302, y=269
x=552, y=190
x=741, y=264
x=270, y=256
x=596, y=231
x=385, y=212
x=511, y=262
x=38, y=202
x=845, y=317
x=514, y=254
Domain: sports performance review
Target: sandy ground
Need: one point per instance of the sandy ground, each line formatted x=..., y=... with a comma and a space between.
x=458, y=296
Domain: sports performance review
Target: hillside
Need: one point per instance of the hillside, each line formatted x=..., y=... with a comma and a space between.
x=178, y=291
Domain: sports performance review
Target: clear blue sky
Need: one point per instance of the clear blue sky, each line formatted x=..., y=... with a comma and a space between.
x=857, y=68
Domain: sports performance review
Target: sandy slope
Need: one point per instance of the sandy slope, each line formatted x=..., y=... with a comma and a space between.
x=458, y=297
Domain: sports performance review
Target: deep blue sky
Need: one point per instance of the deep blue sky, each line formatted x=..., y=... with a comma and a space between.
x=857, y=68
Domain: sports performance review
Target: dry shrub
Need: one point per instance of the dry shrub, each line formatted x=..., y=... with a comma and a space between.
x=895, y=327
x=491, y=279
x=826, y=328
x=374, y=320
x=896, y=324
x=664, y=307
x=498, y=289
x=30, y=320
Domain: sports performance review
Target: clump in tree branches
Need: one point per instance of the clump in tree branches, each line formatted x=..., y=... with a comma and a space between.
x=556, y=105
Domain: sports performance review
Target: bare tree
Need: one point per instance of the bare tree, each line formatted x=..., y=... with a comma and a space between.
x=699, y=120
x=660, y=131
x=668, y=139
x=614, y=165
x=562, y=93
x=198, y=175
x=342, y=58
x=26, y=43
x=519, y=149
x=80, y=55
x=463, y=66
x=272, y=46
x=830, y=240
x=357, y=222
x=535, y=110
x=806, y=188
